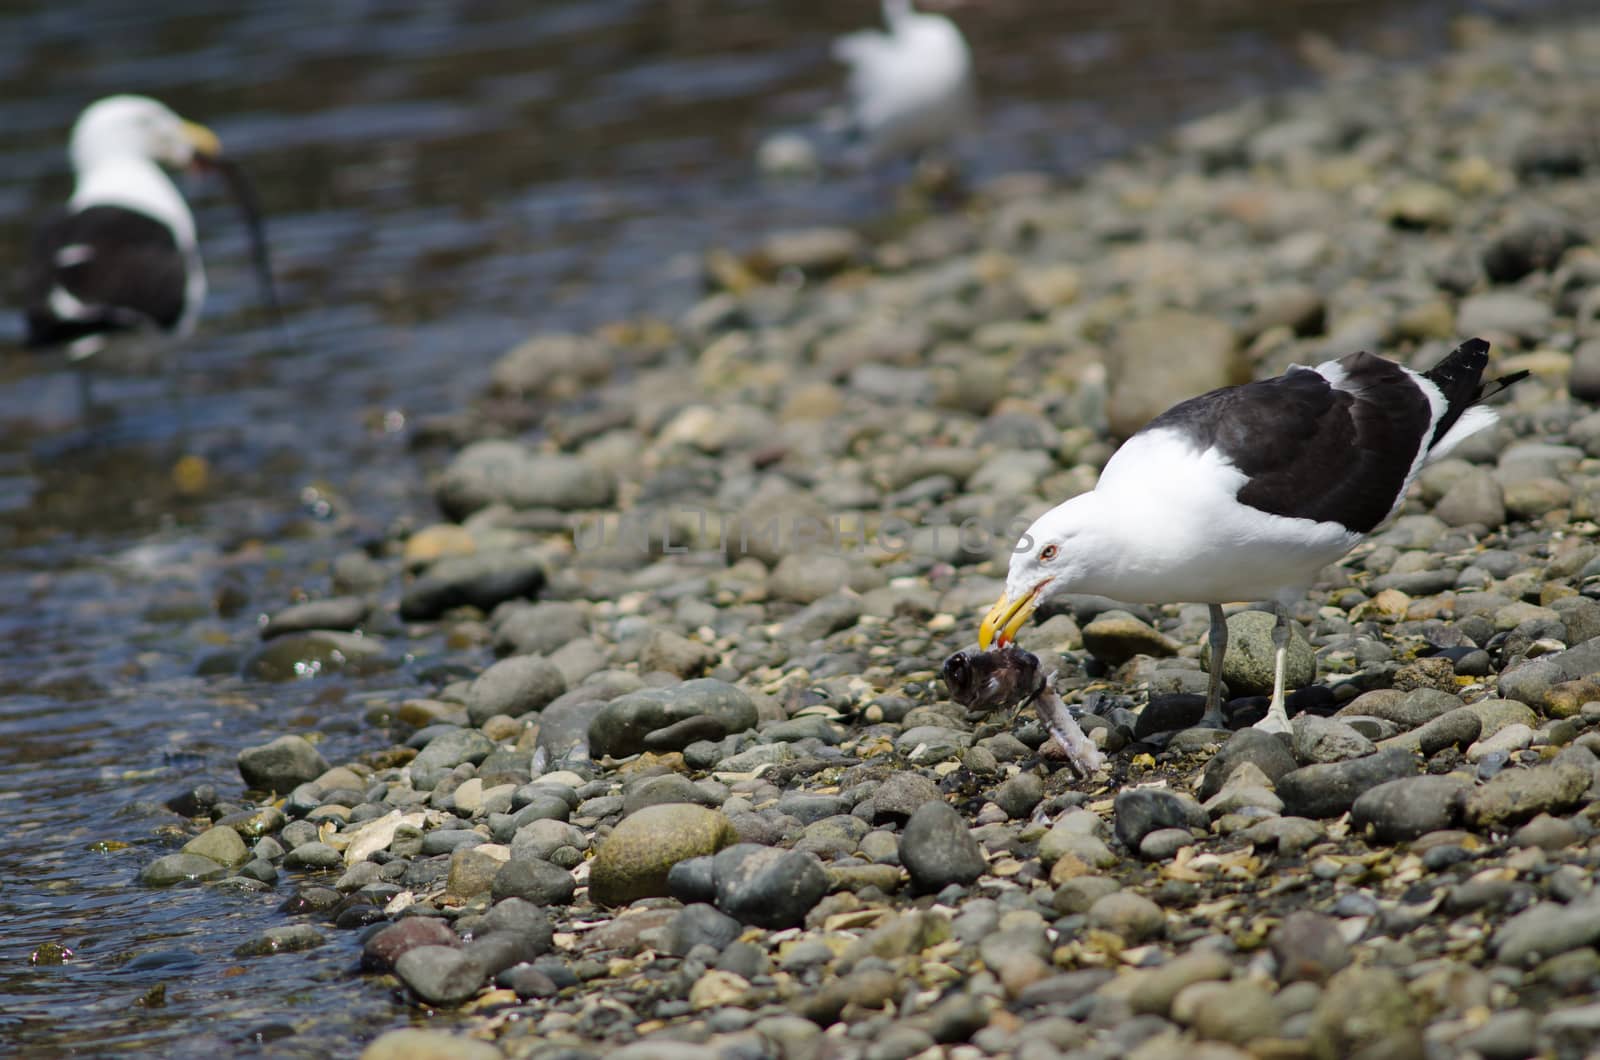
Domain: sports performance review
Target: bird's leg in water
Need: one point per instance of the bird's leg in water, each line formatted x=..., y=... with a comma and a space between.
x=89, y=413
x=1277, y=719
x=1082, y=754
x=1212, y=719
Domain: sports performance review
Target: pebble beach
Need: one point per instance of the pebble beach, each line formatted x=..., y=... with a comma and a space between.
x=683, y=779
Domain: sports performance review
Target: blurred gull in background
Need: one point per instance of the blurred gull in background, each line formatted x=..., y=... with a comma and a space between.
x=911, y=88
x=123, y=255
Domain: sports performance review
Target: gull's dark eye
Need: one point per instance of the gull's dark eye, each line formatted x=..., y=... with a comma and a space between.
x=1048, y=553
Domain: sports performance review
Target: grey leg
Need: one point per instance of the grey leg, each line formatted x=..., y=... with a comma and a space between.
x=1277, y=719
x=176, y=391
x=88, y=411
x=1212, y=719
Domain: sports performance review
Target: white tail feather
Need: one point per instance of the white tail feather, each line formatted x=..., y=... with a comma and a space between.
x=1475, y=419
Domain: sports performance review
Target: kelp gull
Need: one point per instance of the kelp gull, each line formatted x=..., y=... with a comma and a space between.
x=1246, y=492
x=123, y=254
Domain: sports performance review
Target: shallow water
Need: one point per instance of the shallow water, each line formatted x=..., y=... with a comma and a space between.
x=440, y=183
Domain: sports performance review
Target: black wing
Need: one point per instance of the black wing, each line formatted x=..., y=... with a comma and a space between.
x=125, y=267
x=1311, y=450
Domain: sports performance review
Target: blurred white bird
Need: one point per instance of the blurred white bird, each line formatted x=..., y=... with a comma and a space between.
x=911, y=88
x=122, y=255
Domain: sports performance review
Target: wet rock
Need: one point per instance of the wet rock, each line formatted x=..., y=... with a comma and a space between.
x=1318, y=739
x=335, y=613
x=1498, y=714
x=700, y=924
x=806, y=577
x=1541, y=931
x=1249, y=665
x=1407, y=710
x=555, y=364
x=1531, y=242
x=901, y=795
x=1583, y=383
x=767, y=886
x=180, y=868
x=1309, y=947
x=313, y=856
x=1114, y=637
x=1329, y=790
x=538, y=629
x=293, y=656
x=937, y=849
x=634, y=860
x=513, y=687
x=652, y=791
x=1247, y=789
x=1019, y=795
x=452, y=748
x=253, y=824
x=1574, y=1028
x=439, y=975
x=668, y=652
x=1140, y=811
x=482, y=581
x=534, y=881
x=823, y=617
x=501, y=472
x=527, y=981
x=1546, y=833
x=1454, y=728
x=1509, y=1035
x=1475, y=498
x=386, y=946
x=1365, y=1011
x=1238, y=1012
x=564, y=724
x=1164, y=843
x=1156, y=989
x=287, y=938
x=813, y=251
x=1169, y=713
x=1262, y=749
x=816, y=809
x=1146, y=379
x=679, y=735
x=1078, y=894
x=1505, y=312
x=221, y=844
x=621, y=726
x=1399, y=811
x=1132, y=916
x=410, y=1043
x=1532, y=682
x=1519, y=794
x=495, y=951
x=281, y=765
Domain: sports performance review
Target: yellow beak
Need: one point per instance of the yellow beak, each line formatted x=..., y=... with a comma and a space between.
x=1005, y=618
x=202, y=139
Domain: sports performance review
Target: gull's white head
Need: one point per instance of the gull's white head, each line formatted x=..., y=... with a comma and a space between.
x=1051, y=557
x=138, y=127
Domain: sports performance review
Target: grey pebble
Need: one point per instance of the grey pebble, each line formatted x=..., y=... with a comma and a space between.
x=938, y=850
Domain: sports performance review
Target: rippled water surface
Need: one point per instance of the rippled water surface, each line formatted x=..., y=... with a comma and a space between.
x=441, y=180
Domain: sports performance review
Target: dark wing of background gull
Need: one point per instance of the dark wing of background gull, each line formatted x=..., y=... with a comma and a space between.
x=124, y=266
x=1312, y=450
